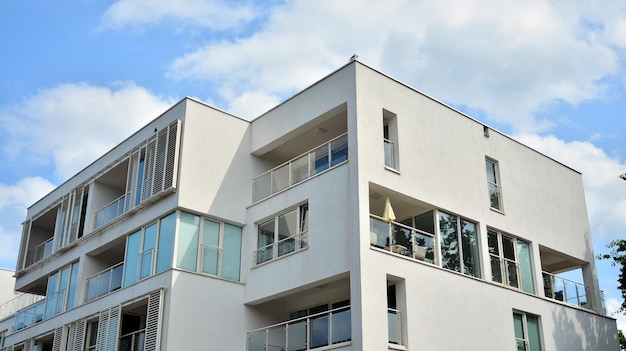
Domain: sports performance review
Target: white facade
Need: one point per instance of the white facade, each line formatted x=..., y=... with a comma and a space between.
x=203, y=231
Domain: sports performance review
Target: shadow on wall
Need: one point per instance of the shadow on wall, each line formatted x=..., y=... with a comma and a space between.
x=579, y=330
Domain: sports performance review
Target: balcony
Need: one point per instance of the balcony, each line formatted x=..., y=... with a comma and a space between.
x=111, y=211
x=298, y=169
x=561, y=289
x=105, y=282
x=30, y=315
x=134, y=341
x=307, y=333
x=402, y=239
x=40, y=252
x=394, y=323
x=280, y=248
x=389, y=152
x=11, y=307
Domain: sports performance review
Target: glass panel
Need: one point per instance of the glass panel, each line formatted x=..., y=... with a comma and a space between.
x=50, y=294
x=149, y=238
x=424, y=248
x=448, y=235
x=341, y=327
x=287, y=228
x=276, y=338
x=72, y=286
x=145, y=264
x=401, y=242
x=319, y=331
x=296, y=335
x=494, y=196
x=116, y=277
x=492, y=240
x=496, y=269
x=262, y=186
x=518, y=325
x=469, y=237
x=525, y=268
x=210, y=247
x=210, y=256
x=379, y=233
x=389, y=161
x=300, y=169
x=393, y=323
x=187, y=255
x=533, y=333
x=265, y=239
x=491, y=171
x=165, y=247
x=256, y=340
x=231, y=261
x=319, y=159
x=508, y=248
x=280, y=178
x=511, y=268
x=304, y=218
x=338, y=151
x=130, y=260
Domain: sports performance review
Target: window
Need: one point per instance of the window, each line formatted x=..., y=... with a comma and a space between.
x=209, y=247
x=527, y=333
x=510, y=261
x=458, y=239
x=493, y=182
x=149, y=250
x=390, y=139
x=91, y=337
x=283, y=234
x=61, y=290
x=3, y=335
x=329, y=324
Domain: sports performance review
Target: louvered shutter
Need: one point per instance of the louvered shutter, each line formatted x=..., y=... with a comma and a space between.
x=78, y=339
x=171, y=166
x=22, y=261
x=153, y=321
x=28, y=345
x=148, y=171
x=57, y=340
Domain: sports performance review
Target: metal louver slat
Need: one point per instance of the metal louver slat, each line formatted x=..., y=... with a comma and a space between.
x=153, y=321
x=79, y=336
x=148, y=173
x=113, y=329
x=160, y=160
x=28, y=345
x=57, y=340
x=171, y=165
x=103, y=326
x=130, y=181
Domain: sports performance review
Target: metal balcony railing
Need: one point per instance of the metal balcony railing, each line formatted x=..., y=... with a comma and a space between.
x=40, y=252
x=561, y=289
x=104, y=282
x=320, y=159
x=389, y=152
x=318, y=330
x=401, y=239
x=394, y=323
x=134, y=341
x=11, y=307
x=111, y=211
x=30, y=315
x=280, y=248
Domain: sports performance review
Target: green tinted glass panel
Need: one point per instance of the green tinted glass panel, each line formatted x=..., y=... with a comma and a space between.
x=165, y=248
x=187, y=254
x=231, y=261
x=525, y=268
x=131, y=260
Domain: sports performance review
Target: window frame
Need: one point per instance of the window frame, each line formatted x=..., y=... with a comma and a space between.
x=299, y=239
x=505, y=278
x=494, y=171
x=526, y=332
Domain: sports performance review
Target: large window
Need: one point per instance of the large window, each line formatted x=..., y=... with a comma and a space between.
x=209, y=247
x=283, y=234
x=493, y=182
x=458, y=239
x=390, y=140
x=510, y=261
x=61, y=290
x=527, y=333
x=149, y=250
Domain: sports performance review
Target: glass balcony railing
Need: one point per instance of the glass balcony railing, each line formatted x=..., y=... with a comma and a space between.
x=30, y=315
x=318, y=160
x=401, y=239
x=394, y=322
x=565, y=290
x=110, y=211
x=40, y=252
x=134, y=341
x=11, y=307
x=307, y=333
x=280, y=248
x=389, y=159
x=104, y=282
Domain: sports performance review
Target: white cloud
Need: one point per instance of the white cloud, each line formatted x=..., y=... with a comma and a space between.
x=605, y=192
x=613, y=305
x=70, y=125
x=482, y=54
x=214, y=14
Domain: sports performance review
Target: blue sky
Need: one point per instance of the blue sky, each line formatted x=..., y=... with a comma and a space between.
x=79, y=76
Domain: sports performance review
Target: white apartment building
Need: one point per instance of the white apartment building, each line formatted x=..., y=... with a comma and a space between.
x=360, y=214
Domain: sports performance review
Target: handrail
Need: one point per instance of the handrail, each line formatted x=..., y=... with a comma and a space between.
x=41, y=249
x=299, y=240
x=272, y=184
x=96, y=277
x=402, y=225
x=566, y=297
x=36, y=312
x=18, y=303
x=116, y=203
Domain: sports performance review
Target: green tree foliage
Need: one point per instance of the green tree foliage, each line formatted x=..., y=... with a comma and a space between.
x=618, y=258
x=622, y=339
